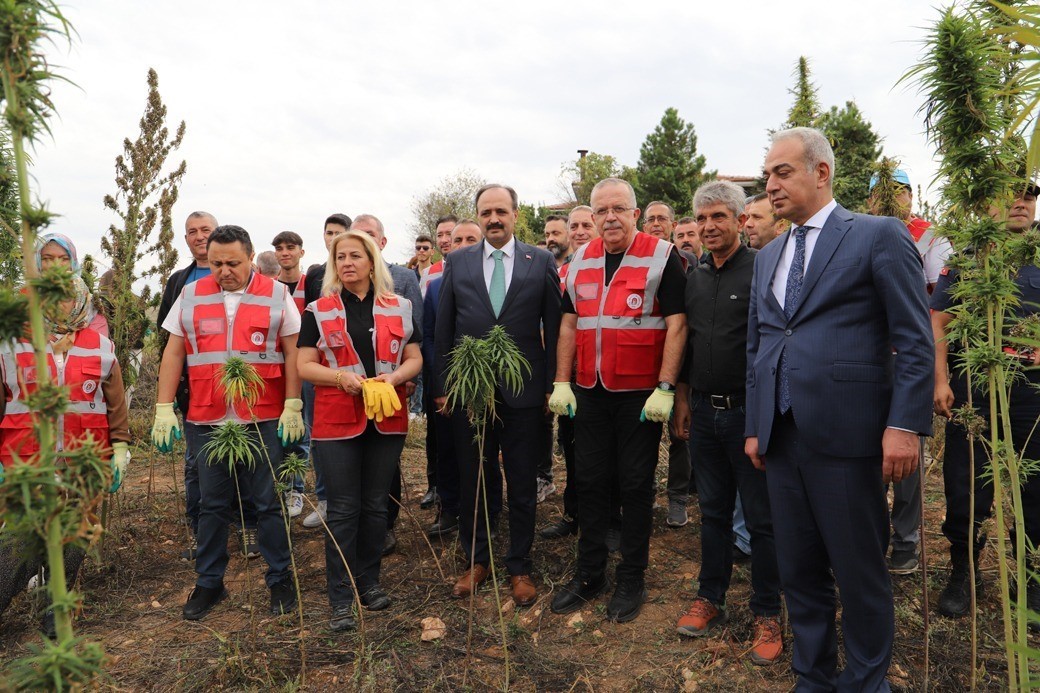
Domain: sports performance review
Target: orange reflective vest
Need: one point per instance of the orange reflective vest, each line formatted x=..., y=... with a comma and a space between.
x=337, y=415
x=252, y=336
x=88, y=364
x=427, y=275
x=621, y=332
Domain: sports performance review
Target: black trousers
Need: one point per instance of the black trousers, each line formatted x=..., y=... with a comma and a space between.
x=517, y=432
x=830, y=521
x=612, y=444
x=357, y=474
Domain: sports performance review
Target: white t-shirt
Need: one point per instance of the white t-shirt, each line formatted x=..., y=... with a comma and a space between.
x=290, y=318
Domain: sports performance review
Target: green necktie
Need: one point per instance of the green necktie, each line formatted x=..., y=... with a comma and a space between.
x=497, y=292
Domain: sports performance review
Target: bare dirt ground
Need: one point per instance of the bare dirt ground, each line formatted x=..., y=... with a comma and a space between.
x=133, y=593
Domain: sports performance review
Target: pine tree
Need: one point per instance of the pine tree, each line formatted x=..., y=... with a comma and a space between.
x=144, y=198
x=669, y=168
x=856, y=148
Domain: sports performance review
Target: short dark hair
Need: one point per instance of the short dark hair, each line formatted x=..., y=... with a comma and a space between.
x=492, y=186
x=287, y=238
x=686, y=220
x=339, y=218
x=671, y=212
x=556, y=217
x=756, y=198
x=447, y=217
x=423, y=238
x=225, y=235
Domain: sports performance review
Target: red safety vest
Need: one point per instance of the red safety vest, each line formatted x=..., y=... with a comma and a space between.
x=563, y=277
x=337, y=415
x=620, y=335
x=298, y=295
x=253, y=337
x=427, y=275
x=88, y=364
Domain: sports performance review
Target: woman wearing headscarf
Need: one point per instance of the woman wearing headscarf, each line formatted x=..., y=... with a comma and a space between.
x=83, y=361
x=57, y=248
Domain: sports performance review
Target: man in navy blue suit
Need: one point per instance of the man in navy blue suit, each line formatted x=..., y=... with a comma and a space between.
x=501, y=282
x=840, y=376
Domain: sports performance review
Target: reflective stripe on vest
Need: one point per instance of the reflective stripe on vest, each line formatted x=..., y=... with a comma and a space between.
x=563, y=278
x=88, y=365
x=620, y=329
x=299, y=295
x=428, y=274
x=337, y=415
x=253, y=337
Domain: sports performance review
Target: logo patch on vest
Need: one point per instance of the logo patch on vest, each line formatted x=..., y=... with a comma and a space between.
x=336, y=339
x=89, y=386
x=587, y=292
x=29, y=374
x=257, y=338
x=634, y=301
x=211, y=326
x=395, y=346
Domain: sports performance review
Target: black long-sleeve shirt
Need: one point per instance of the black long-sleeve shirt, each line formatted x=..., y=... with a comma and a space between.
x=717, y=301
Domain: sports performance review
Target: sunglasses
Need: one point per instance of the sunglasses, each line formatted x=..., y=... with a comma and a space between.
x=420, y=248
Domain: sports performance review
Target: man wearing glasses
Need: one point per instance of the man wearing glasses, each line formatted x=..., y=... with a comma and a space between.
x=624, y=326
x=423, y=254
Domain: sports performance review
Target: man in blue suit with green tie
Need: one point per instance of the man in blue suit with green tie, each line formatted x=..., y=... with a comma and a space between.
x=840, y=378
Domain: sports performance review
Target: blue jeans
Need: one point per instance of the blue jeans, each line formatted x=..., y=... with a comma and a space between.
x=722, y=470
x=741, y=537
x=192, y=494
x=218, y=508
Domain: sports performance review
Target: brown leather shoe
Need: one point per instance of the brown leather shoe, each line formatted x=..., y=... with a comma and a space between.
x=524, y=592
x=469, y=581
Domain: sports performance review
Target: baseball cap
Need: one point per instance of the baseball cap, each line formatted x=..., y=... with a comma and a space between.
x=899, y=176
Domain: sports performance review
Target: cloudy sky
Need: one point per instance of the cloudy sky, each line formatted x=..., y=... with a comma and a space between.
x=296, y=110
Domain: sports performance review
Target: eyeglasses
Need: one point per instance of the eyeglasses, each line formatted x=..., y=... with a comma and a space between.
x=660, y=218
x=422, y=248
x=617, y=211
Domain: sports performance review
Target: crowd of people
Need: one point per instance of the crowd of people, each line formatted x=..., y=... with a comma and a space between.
x=793, y=352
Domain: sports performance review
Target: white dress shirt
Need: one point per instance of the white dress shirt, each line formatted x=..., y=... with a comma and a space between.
x=507, y=262
x=290, y=318
x=783, y=267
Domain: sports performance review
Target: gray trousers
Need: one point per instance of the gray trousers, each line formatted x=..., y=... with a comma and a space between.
x=906, y=512
x=679, y=469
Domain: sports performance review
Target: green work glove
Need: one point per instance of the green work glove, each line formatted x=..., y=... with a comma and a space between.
x=120, y=459
x=290, y=423
x=166, y=428
x=562, y=401
x=658, y=407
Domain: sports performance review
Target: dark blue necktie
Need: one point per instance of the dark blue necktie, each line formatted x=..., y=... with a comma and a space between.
x=791, y=295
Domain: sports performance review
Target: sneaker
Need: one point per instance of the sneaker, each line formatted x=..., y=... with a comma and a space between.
x=701, y=617
x=294, y=503
x=677, y=516
x=613, y=540
x=375, y=599
x=563, y=528
x=318, y=516
x=250, y=543
x=202, y=600
x=903, y=561
x=546, y=488
x=283, y=597
x=769, y=640
x=342, y=618
x=627, y=601
x=389, y=543
x=189, y=553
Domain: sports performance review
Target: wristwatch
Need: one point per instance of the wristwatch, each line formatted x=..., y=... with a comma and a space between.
x=667, y=387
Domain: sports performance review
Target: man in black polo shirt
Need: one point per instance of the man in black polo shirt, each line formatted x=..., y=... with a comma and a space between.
x=709, y=411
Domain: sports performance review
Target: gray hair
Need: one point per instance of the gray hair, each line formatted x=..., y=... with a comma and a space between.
x=606, y=182
x=814, y=143
x=660, y=203
x=267, y=263
x=579, y=208
x=720, y=192
x=372, y=218
x=201, y=215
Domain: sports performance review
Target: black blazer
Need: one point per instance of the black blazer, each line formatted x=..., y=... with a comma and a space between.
x=530, y=314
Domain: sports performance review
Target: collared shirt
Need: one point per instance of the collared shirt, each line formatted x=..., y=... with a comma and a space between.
x=290, y=320
x=783, y=268
x=507, y=261
x=717, y=301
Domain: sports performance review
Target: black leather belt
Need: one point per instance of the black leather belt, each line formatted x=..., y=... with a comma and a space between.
x=723, y=401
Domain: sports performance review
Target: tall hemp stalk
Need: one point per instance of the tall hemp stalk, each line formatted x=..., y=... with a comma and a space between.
x=47, y=502
x=968, y=114
x=475, y=368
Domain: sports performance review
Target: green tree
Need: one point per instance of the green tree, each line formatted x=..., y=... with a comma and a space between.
x=578, y=177
x=856, y=148
x=669, y=167
x=452, y=195
x=10, y=253
x=805, y=110
x=144, y=198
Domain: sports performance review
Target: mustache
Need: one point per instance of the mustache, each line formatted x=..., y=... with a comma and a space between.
x=495, y=225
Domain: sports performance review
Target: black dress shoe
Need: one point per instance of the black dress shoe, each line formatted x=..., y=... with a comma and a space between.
x=578, y=592
x=375, y=599
x=429, y=499
x=627, y=600
x=342, y=618
x=389, y=542
x=201, y=600
x=564, y=528
x=445, y=524
x=283, y=597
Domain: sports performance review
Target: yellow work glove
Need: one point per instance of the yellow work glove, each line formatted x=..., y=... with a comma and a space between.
x=166, y=428
x=658, y=406
x=290, y=423
x=120, y=460
x=562, y=401
x=381, y=400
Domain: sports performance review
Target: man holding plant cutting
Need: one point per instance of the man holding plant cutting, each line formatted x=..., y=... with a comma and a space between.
x=234, y=313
